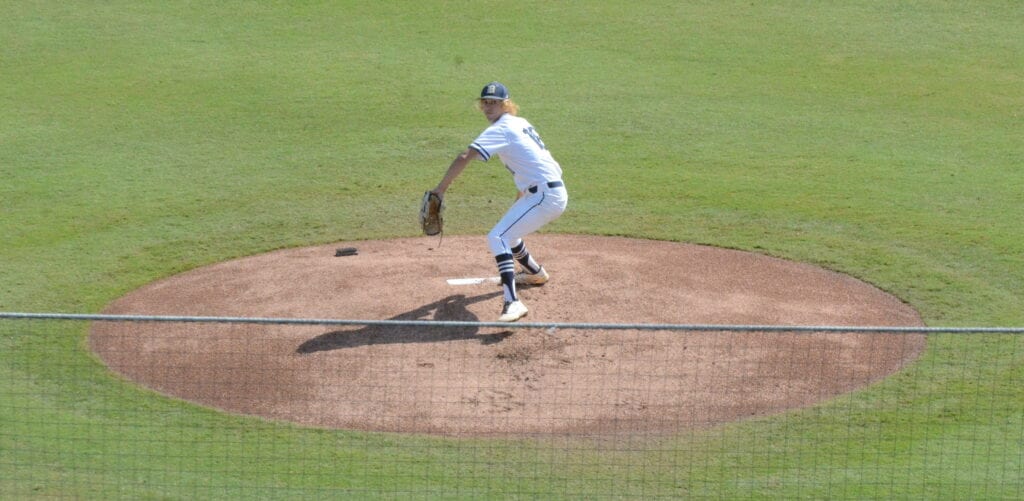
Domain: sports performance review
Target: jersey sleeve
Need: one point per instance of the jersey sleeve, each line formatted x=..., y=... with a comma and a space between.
x=490, y=141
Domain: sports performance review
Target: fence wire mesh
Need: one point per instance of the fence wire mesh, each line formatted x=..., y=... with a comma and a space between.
x=95, y=406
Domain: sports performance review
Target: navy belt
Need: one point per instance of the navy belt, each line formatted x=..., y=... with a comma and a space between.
x=552, y=184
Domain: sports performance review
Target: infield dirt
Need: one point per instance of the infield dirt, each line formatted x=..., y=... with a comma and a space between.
x=472, y=381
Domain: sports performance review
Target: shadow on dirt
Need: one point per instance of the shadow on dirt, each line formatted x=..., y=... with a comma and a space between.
x=452, y=308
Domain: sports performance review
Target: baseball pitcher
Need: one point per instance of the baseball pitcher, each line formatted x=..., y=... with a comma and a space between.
x=538, y=178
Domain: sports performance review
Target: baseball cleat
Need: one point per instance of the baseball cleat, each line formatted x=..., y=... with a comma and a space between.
x=512, y=311
x=539, y=278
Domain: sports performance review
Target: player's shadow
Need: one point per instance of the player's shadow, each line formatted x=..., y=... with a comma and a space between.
x=451, y=308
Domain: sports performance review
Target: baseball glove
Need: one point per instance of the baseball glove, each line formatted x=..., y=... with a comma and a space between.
x=431, y=214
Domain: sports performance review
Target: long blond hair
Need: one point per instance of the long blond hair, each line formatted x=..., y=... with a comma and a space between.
x=508, y=106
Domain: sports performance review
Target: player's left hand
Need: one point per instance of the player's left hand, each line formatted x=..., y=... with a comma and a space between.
x=432, y=213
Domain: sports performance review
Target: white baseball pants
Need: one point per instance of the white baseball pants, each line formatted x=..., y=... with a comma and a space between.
x=527, y=215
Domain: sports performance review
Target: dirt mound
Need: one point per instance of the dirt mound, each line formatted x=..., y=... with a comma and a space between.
x=492, y=381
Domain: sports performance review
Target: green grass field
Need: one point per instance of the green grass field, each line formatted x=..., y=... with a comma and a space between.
x=879, y=139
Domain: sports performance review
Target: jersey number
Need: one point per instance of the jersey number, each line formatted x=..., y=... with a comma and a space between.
x=536, y=137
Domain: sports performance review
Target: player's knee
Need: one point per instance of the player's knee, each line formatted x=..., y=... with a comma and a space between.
x=497, y=244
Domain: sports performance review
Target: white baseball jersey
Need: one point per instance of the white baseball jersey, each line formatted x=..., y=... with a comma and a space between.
x=515, y=141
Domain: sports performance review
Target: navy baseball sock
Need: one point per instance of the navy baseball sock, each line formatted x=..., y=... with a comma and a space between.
x=525, y=259
x=507, y=271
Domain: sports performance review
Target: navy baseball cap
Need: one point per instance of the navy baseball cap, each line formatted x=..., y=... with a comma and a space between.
x=494, y=90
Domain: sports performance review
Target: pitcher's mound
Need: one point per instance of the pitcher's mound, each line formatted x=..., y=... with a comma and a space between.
x=493, y=381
